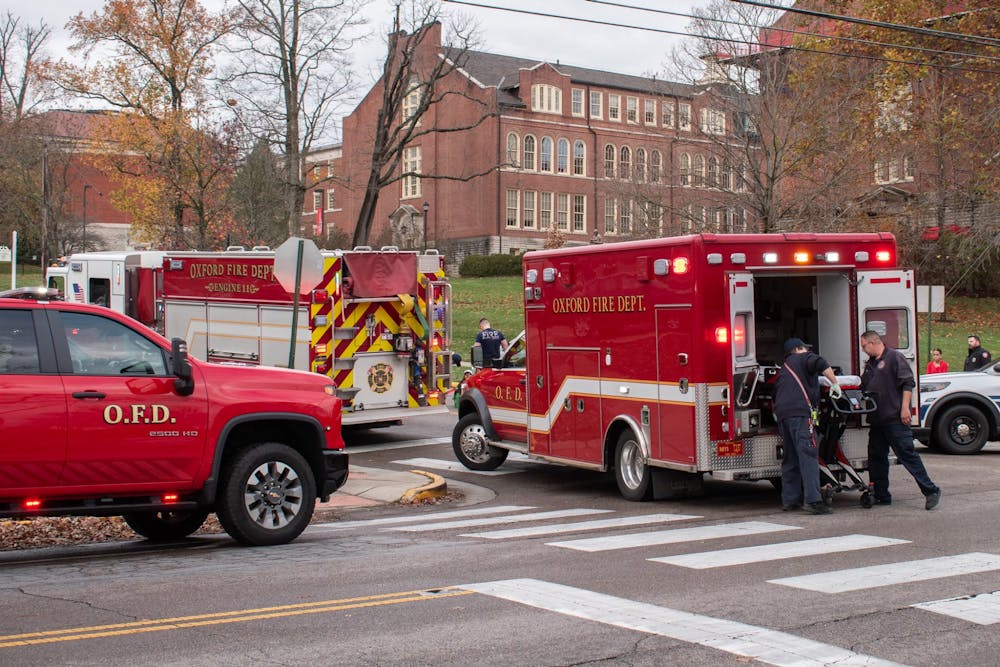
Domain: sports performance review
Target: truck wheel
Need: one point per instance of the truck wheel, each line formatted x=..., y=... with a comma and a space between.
x=472, y=447
x=961, y=429
x=164, y=526
x=267, y=495
x=631, y=472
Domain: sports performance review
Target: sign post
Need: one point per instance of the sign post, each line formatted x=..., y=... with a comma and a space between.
x=297, y=262
x=7, y=255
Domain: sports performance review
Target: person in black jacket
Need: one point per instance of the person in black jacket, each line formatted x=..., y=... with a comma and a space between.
x=979, y=356
x=796, y=395
x=889, y=379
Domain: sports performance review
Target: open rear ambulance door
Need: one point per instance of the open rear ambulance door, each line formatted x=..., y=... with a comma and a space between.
x=745, y=370
x=887, y=306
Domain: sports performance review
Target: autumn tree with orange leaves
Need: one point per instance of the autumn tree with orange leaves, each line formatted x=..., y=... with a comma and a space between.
x=149, y=60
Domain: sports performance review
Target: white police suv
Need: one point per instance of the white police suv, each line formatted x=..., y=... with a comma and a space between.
x=960, y=412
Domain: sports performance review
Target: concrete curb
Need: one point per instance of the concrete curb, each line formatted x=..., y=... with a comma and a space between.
x=436, y=488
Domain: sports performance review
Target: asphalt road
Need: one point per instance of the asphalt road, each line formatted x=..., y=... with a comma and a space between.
x=727, y=579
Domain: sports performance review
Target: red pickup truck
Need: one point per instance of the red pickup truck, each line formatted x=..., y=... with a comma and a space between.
x=101, y=416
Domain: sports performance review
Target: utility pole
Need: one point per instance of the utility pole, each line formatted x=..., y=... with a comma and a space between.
x=45, y=203
x=85, y=188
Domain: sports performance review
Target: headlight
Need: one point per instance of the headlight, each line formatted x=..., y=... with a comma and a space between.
x=330, y=390
x=933, y=386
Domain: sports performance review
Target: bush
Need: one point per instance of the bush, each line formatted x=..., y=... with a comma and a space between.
x=478, y=266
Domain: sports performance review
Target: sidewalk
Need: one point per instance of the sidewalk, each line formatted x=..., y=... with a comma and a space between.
x=366, y=487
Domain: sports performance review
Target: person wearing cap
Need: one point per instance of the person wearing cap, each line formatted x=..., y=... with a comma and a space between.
x=889, y=379
x=979, y=356
x=796, y=396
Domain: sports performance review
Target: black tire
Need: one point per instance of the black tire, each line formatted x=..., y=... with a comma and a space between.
x=631, y=471
x=961, y=429
x=472, y=447
x=165, y=526
x=267, y=495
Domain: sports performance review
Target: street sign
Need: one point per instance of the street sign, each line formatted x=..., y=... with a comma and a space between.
x=286, y=260
x=4, y=253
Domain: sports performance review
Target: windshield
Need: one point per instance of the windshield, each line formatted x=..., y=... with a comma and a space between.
x=514, y=357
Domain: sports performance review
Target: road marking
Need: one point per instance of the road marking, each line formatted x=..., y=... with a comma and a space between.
x=983, y=609
x=842, y=581
x=509, y=468
x=219, y=618
x=580, y=526
x=673, y=536
x=768, y=552
x=434, y=516
x=364, y=449
x=517, y=518
x=770, y=646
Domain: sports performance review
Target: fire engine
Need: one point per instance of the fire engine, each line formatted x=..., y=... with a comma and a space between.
x=378, y=323
x=656, y=358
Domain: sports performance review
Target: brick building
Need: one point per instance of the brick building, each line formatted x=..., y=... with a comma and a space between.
x=587, y=154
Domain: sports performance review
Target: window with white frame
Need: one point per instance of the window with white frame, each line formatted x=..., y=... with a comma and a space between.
x=412, y=158
x=908, y=167
x=881, y=171
x=317, y=173
x=713, y=172
x=614, y=107
x=684, y=116
x=610, y=216
x=684, y=170
x=640, y=165
x=545, y=156
x=740, y=177
x=411, y=101
x=329, y=199
x=562, y=211
x=596, y=104
x=713, y=121
x=513, y=144
x=649, y=113
x=625, y=162
x=576, y=105
x=655, y=166
x=687, y=219
x=562, y=156
x=610, y=154
x=317, y=200
x=528, y=212
x=544, y=210
x=893, y=170
x=579, y=158
x=529, y=153
x=698, y=171
x=625, y=216
x=726, y=176
x=546, y=98
x=579, y=213
x=513, y=199
x=667, y=113
x=632, y=109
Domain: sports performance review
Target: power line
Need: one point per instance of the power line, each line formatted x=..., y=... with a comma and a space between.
x=612, y=24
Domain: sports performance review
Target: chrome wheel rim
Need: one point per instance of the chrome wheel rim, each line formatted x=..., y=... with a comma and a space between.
x=632, y=464
x=273, y=495
x=474, y=445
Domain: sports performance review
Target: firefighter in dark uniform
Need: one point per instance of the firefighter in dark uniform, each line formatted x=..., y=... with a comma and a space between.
x=979, y=356
x=796, y=396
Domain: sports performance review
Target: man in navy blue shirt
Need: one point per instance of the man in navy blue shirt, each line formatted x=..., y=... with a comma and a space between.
x=796, y=395
x=491, y=340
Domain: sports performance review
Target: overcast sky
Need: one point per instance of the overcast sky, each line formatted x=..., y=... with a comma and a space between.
x=615, y=49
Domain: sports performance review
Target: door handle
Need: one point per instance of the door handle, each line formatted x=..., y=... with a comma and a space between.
x=524, y=382
x=89, y=394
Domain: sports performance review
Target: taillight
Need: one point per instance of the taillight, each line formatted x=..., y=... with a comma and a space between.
x=32, y=504
x=721, y=335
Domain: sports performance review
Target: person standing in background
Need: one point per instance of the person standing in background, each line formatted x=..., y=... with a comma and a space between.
x=979, y=356
x=937, y=364
x=491, y=340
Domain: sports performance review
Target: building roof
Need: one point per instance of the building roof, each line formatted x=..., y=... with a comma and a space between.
x=503, y=72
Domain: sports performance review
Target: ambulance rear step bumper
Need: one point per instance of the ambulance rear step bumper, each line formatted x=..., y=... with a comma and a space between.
x=389, y=415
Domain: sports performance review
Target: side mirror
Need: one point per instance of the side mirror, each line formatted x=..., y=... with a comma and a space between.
x=477, y=356
x=184, y=384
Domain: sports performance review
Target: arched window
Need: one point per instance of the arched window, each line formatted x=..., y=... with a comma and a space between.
x=545, y=158
x=726, y=176
x=655, y=166
x=625, y=162
x=513, y=144
x=698, y=179
x=713, y=172
x=640, y=165
x=609, y=161
x=562, y=156
x=740, y=178
x=579, y=158
x=685, y=169
x=529, y=152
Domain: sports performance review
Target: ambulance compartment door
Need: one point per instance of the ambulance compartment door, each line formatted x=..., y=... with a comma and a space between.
x=574, y=412
x=675, y=436
x=746, y=378
x=887, y=306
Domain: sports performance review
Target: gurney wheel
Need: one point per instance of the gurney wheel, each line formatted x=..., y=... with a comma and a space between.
x=827, y=494
x=866, y=500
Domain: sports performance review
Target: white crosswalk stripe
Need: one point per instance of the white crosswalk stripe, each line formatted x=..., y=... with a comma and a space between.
x=861, y=578
x=673, y=536
x=580, y=526
x=782, y=550
x=769, y=646
x=511, y=466
x=433, y=516
x=982, y=609
x=514, y=518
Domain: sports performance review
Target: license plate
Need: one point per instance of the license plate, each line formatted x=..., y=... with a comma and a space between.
x=729, y=448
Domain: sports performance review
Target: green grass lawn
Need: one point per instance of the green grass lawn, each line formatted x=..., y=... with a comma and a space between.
x=27, y=275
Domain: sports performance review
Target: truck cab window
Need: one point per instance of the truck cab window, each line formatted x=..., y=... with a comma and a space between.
x=101, y=346
x=18, y=350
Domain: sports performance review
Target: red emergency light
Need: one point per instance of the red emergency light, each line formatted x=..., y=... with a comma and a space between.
x=169, y=498
x=32, y=504
x=320, y=296
x=883, y=256
x=721, y=335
